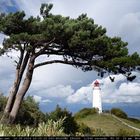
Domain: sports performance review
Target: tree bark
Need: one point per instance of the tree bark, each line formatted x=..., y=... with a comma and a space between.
x=19, y=73
x=10, y=100
x=20, y=94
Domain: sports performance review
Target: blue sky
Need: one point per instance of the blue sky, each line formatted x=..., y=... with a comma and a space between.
x=70, y=87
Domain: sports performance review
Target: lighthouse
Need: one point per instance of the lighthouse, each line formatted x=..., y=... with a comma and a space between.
x=97, y=102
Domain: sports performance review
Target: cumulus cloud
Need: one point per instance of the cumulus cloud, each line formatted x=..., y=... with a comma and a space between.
x=83, y=95
x=37, y=98
x=58, y=91
x=40, y=99
x=119, y=91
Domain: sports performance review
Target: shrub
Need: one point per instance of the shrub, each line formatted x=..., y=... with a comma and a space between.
x=29, y=113
x=119, y=113
x=51, y=128
x=84, y=129
x=70, y=125
x=134, y=120
x=123, y=132
x=98, y=132
x=86, y=111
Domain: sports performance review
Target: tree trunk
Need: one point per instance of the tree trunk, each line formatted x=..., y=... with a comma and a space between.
x=10, y=100
x=19, y=73
x=21, y=93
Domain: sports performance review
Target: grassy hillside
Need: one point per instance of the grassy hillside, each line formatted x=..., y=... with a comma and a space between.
x=132, y=122
x=108, y=124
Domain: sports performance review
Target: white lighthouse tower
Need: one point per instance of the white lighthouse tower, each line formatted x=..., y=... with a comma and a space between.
x=97, y=102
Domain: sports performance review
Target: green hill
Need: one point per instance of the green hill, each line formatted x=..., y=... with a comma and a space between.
x=108, y=124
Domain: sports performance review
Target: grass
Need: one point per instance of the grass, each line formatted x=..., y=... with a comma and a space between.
x=51, y=128
x=137, y=124
x=100, y=125
x=109, y=125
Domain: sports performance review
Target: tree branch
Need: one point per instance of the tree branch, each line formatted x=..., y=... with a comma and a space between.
x=44, y=48
x=60, y=61
x=20, y=58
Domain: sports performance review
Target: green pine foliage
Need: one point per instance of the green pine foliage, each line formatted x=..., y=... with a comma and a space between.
x=80, y=39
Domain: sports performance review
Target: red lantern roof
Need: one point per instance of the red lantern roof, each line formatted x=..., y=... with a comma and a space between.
x=96, y=83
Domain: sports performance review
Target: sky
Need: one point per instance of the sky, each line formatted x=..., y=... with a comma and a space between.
x=70, y=87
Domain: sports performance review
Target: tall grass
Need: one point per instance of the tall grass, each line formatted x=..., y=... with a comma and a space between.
x=51, y=128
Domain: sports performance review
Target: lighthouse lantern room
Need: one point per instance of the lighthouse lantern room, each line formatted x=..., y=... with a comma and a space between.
x=97, y=102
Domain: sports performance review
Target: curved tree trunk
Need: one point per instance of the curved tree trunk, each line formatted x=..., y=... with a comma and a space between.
x=20, y=94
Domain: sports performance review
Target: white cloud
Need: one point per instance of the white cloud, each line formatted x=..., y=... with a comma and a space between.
x=130, y=89
x=54, y=74
x=40, y=99
x=58, y=91
x=32, y=7
x=37, y=98
x=83, y=95
x=46, y=101
x=119, y=91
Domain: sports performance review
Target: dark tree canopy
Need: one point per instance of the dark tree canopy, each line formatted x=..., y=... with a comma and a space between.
x=80, y=41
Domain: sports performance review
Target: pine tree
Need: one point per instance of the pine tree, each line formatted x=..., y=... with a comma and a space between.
x=78, y=42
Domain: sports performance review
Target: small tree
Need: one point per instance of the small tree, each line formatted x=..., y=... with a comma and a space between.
x=78, y=42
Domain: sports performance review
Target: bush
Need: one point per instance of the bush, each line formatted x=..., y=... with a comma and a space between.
x=86, y=111
x=123, y=132
x=70, y=125
x=98, y=132
x=119, y=113
x=134, y=120
x=84, y=130
x=51, y=128
x=29, y=113
x=106, y=111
